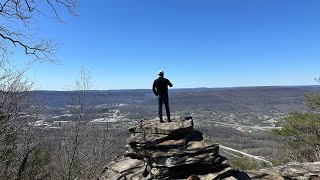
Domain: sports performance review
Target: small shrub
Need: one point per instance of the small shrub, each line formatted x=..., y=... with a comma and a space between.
x=241, y=163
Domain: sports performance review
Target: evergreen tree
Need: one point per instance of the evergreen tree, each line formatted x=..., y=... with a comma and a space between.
x=301, y=131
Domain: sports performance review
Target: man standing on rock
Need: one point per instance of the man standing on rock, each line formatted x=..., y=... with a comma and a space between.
x=160, y=89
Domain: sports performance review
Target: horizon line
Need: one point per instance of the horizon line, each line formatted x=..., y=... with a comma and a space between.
x=226, y=87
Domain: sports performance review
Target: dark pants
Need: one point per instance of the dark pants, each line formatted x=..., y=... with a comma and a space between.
x=163, y=99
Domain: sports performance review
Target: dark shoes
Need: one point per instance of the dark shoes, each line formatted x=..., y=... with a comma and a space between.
x=161, y=120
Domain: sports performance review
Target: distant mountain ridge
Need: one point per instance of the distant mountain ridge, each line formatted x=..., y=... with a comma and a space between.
x=248, y=105
x=245, y=106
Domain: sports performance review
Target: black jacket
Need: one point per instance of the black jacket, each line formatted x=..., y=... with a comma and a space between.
x=160, y=86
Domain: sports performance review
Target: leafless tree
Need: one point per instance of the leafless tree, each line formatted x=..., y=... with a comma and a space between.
x=19, y=31
x=80, y=149
x=67, y=160
x=82, y=85
x=19, y=27
x=14, y=96
x=22, y=156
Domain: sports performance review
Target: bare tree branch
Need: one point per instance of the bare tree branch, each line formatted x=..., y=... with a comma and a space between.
x=23, y=15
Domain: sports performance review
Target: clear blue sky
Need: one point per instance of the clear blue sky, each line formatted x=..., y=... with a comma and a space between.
x=206, y=43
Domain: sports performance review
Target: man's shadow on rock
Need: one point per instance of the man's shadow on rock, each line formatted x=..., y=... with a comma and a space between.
x=196, y=136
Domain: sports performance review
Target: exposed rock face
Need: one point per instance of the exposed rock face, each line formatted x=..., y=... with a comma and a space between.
x=176, y=151
x=124, y=168
x=299, y=171
x=168, y=151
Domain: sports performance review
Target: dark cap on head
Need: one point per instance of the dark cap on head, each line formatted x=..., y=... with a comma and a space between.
x=161, y=73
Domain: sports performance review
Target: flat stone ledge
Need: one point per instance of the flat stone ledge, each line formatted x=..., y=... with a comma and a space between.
x=153, y=126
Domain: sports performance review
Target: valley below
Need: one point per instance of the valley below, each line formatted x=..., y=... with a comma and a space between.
x=238, y=118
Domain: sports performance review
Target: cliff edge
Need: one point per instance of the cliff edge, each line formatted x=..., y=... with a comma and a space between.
x=168, y=151
x=174, y=150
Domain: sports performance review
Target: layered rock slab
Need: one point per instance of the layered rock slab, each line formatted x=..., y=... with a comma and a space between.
x=293, y=170
x=176, y=151
x=171, y=151
x=178, y=126
x=125, y=168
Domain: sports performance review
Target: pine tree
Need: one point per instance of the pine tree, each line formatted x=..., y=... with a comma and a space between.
x=301, y=131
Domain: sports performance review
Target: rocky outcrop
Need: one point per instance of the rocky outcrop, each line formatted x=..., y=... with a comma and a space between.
x=294, y=170
x=176, y=151
x=168, y=151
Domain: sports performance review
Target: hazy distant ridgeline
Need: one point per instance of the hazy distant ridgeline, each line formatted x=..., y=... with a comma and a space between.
x=255, y=99
x=222, y=99
x=202, y=102
x=62, y=98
